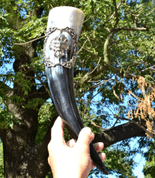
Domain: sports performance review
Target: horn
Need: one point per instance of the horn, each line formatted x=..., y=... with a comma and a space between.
x=60, y=50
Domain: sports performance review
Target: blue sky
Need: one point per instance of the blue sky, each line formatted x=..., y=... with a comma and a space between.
x=139, y=159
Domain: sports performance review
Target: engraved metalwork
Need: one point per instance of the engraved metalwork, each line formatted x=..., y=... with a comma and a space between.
x=60, y=45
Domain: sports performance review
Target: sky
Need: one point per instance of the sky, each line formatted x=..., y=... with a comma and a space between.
x=139, y=159
x=138, y=170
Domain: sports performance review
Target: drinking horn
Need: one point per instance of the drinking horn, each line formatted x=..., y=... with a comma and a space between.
x=60, y=50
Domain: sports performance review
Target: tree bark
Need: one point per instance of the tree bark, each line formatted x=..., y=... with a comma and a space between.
x=119, y=133
x=22, y=157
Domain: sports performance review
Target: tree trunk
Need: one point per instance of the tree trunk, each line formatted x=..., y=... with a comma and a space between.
x=22, y=157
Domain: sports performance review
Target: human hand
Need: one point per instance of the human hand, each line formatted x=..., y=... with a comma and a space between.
x=71, y=159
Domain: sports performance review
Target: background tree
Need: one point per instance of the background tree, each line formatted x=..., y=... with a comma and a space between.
x=114, y=81
x=150, y=163
x=1, y=161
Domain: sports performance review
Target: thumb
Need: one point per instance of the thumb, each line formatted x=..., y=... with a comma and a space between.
x=85, y=138
x=57, y=133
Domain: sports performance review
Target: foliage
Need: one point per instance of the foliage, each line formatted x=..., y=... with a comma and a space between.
x=114, y=72
x=149, y=170
x=1, y=160
x=7, y=118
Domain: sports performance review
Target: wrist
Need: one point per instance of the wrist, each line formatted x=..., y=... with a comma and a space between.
x=69, y=174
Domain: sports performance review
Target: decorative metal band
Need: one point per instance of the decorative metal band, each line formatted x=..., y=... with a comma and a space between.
x=60, y=45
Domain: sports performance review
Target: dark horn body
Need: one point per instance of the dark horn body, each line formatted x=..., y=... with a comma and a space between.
x=60, y=82
x=60, y=48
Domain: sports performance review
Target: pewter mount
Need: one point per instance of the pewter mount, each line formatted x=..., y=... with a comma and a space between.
x=60, y=45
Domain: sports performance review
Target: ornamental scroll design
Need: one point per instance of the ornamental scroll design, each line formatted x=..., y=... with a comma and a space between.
x=60, y=45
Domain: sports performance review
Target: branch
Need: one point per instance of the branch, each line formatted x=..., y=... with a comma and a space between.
x=4, y=87
x=140, y=125
x=99, y=102
x=89, y=73
x=98, y=70
x=42, y=92
x=148, y=68
x=114, y=91
x=39, y=11
x=29, y=41
x=150, y=12
x=45, y=86
x=119, y=133
x=98, y=84
x=116, y=12
x=113, y=31
x=82, y=47
x=106, y=44
x=143, y=128
x=106, y=60
x=5, y=91
x=112, y=14
x=92, y=123
x=131, y=29
x=136, y=97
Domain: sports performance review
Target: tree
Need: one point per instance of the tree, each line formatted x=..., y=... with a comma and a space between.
x=1, y=160
x=149, y=164
x=114, y=81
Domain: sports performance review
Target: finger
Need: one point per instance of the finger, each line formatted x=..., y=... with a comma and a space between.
x=57, y=133
x=71, y=143
x=98, y=146
x=49, y=160
x=85, y=138
x=102, y=156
